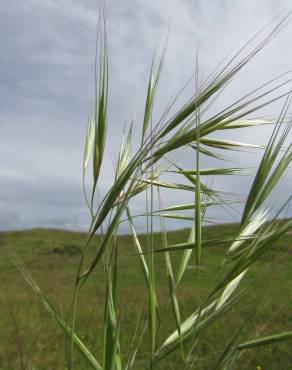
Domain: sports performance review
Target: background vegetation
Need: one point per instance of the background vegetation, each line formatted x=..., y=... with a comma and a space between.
x=31, y=340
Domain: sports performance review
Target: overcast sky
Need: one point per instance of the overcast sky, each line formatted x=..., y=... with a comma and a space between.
x=46, y=86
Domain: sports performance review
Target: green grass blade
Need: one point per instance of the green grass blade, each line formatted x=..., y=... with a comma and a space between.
x=259, y=191
x=271, y=339
x=186, y=257
x=229, y=145
x=101, y=102
x=213, y=171
x=90, y=135
x=151, y=92
x=189, y=206
x=125, y=152
x=138, y=247
x=171, y=283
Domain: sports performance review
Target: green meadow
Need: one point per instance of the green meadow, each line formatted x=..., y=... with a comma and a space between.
x=30, y=339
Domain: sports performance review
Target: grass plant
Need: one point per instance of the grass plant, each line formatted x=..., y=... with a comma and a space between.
x=152, y=167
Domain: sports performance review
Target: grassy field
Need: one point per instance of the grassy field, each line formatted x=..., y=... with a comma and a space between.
x=29, y=339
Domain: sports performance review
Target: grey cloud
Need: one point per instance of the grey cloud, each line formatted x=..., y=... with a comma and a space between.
x=8, y=220
x=46, y=87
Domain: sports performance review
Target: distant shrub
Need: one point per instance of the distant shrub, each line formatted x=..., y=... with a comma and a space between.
x=71, y=249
